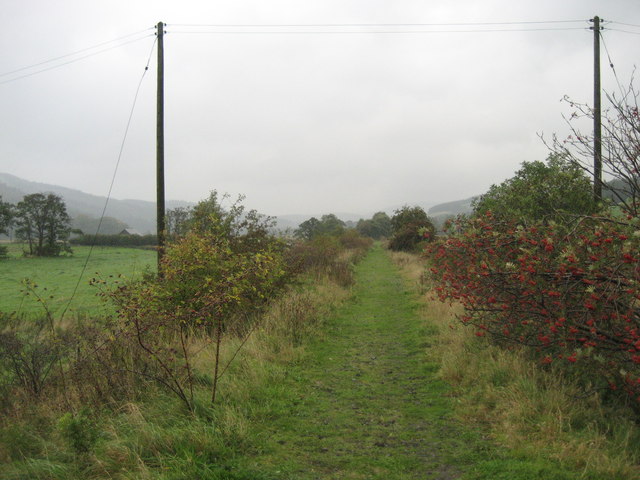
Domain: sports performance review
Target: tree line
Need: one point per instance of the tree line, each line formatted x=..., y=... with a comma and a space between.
x=408, y=228
x=42, y=222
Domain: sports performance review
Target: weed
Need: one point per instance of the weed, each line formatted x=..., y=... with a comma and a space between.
x=79, y=430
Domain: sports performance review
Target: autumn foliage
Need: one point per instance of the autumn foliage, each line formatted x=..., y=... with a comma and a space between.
x=570, y=292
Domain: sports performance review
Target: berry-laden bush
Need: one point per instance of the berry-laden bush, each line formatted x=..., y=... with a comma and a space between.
x=569, y=292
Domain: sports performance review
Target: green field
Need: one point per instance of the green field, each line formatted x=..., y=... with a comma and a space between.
x=59, y=276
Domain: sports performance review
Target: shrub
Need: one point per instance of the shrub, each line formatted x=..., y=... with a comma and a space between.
x=353, y=240
x=411, y=227
x=571, y=293
x=28, y=353
x=317, y=254
x=203, y=287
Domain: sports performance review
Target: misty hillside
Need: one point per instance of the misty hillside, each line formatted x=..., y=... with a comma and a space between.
x=140, y=215
x=137, y=214
x=451, y=209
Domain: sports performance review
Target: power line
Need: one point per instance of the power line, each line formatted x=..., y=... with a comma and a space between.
x=365, y=28
x=368, y=32
x=74, y=53
x=323, y=25
x=626, y=24
x=113, y=179
x=298, y=32
x=52, y=67
x=623, y=31
x=613, y=68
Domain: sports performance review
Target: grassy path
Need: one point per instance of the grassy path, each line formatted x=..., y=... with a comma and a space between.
x=365, y=403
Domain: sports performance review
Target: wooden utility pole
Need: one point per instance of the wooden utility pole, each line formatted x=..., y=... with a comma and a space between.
x=597, y=113
x=160, y=204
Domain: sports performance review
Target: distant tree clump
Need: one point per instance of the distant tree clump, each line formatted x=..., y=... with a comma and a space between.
x=6, y=216
x=411, y=226
x=540, y=192
x=6, y=220
x=377, y=227
x=328, y=225
x=42, y=221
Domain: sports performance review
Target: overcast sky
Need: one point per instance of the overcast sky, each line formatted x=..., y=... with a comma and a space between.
x=299, y=122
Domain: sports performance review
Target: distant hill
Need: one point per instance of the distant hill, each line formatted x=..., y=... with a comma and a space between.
x=137, y=214
x=440, y=213
x=140, y=215
x=452, y=208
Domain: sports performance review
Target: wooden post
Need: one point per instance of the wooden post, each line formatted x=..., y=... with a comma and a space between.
x=597, y=113
x=160, y=203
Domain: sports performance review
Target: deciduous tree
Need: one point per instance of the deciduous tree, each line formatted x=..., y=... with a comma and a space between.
x=620, y=146
x=377, y=227
x=178, y=221
x=328, y=225
x=246, y=230
x=6, y=216
x=42, y=221
x=540, y=191
x=411, y=226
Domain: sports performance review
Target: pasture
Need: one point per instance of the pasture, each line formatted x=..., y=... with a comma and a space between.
x=56, y=278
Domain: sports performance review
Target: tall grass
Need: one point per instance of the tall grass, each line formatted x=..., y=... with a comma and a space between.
x=71, y=434
x=537, y=411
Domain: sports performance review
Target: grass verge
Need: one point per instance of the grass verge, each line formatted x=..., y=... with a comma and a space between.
x=538, y=414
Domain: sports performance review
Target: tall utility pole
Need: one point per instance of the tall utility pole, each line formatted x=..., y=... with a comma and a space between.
x=160, y=207
x=597, y=113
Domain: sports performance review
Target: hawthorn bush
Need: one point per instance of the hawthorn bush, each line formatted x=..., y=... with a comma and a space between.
x=569, y=292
